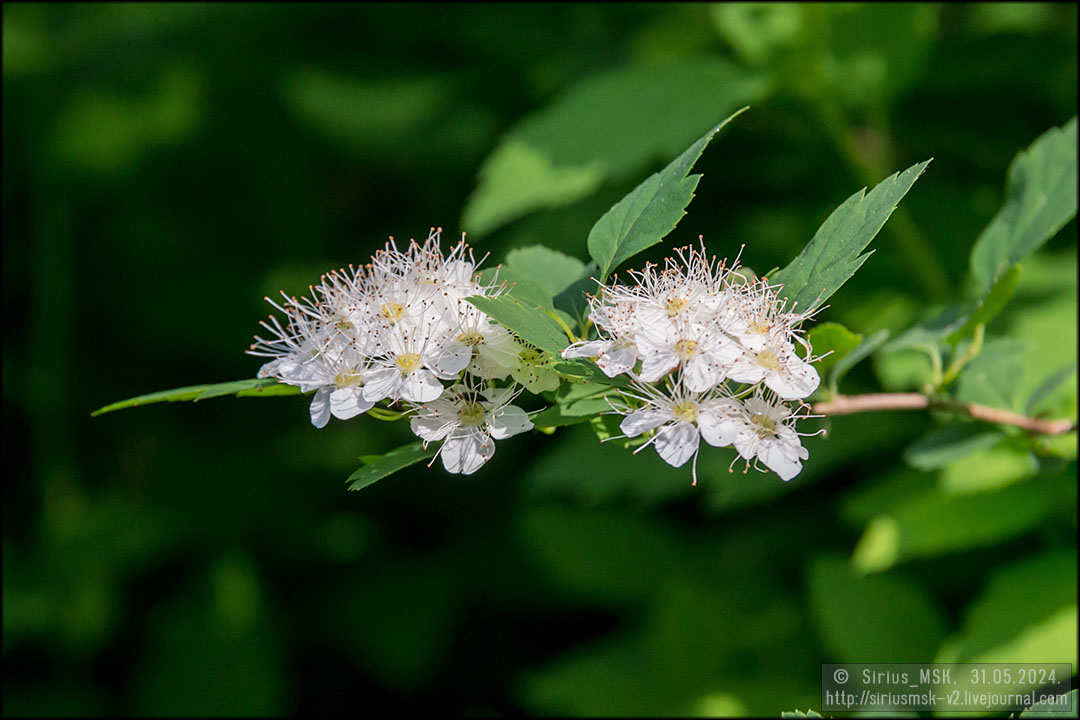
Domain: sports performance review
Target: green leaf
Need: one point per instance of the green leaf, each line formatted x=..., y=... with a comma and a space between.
x=1040, y=199
x=556, y=416
x=957, y=321
x=518, y=178
x=376, y=467
x=933, y=522
x=520, y=286
x=1025, y=614
x=609, y=126
x=1047, y=709
x=528, y=321
x=952, y=442
x=993, y=377
x=573, y=300
x=650, y=211
x=551, y=269
x=833, y=255
x=1048, y=386
x=853, y=358
x=929, y=333
x=991, y=304
x=793, y=714
x=835, y=337
x=848, y=606
x=264, y=387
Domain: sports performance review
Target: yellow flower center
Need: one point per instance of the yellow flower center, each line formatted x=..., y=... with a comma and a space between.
x=471, y=338
x=348, y=378
x=675, y=305
x=407, y=363
x=392, y=312
x=759, y=327
x=685, y=411
x=344, y=324
x=685, y=348
x=766, y=426
x=768, y=359
x=472, y=413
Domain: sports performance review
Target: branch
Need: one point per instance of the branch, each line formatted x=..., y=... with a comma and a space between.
x=847, y=404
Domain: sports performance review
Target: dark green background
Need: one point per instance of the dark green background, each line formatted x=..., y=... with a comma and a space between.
x=166, y=166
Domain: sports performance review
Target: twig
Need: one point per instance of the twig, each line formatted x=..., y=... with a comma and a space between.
x=848, y=404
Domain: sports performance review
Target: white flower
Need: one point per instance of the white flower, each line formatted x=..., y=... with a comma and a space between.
x=341, y=391
x=680, y=419
x=615, y=351
x=469, y=420
x=410, y=367
x=776, y=365
x=763, y=431
x=701, y=350
x=489, y=349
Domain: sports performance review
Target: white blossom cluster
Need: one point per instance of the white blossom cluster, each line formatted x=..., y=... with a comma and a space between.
x=709, y=355
x=400, y=330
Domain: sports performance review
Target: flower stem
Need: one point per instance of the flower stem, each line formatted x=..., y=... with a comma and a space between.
x=872, y=402
x=566, y=328
x=960, y=361
x=385, y=415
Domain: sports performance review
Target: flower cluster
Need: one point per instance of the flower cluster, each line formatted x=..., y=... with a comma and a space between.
x=710, y=355
x=400, y=330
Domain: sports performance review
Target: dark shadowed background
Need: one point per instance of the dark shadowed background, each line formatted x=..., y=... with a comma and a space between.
x=165, y=166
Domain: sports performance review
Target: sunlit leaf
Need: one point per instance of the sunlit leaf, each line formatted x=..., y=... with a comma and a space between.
x=991, y=304
x=1047, y=709
x=528, y=321
x=650, y=211
x=932, y=522
x=549, y=268
x=835, y=339
x=836, y=250
x=1041, y=198
x=1047, y=388
x=1025, y=613
x=265, y=387
x=611, y=125
x=993, y=377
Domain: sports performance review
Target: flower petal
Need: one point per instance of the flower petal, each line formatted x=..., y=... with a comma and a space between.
x=677, y=443
x=618, y=360
x=796, y=380
x=658, y=364
x=643, y=420
x=452, y=359
x=320, y=407
x=511, y=420
x=382, y=383
x=746, y=442
x=782, y=456
x=348, y=402
x=432, y=422
x=420, y=386
x=716, y=422
x=745, y=370
x=701, y=373
x=591, y=348
x=465, y=454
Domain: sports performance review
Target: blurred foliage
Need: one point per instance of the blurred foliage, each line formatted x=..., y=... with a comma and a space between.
x=165, y=166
